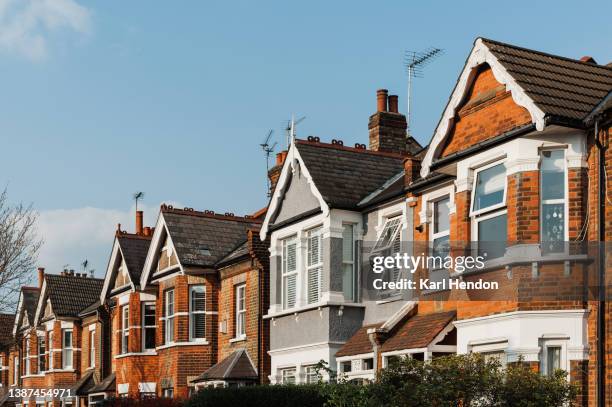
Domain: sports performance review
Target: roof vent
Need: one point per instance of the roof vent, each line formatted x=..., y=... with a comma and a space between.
x=588, y=60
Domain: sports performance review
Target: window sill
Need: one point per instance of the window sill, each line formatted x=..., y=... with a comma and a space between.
x=310, y=307
x=239, y=339
x=125, y=355
x=192, y=343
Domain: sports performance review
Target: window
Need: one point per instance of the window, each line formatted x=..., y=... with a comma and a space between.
x=368, y=364
x=92, y=348
x=51, y=366
x=148, y=325
x=168, y=393
x=288, y=375
x=26, y=358
x=346, y=367
x=197, y=312
x=16, y=370
x=125, y=328
x=314, y=264
x=499, y=356
x=310, y=374
x=348, y=262
x=488, y=211
x=67, y=348
x=389, y=244
x=169, y=317
x=42, y=365
x=552, y=195
x=553, y=357
x=289, y=271
x=440, y=231
x=240, y=311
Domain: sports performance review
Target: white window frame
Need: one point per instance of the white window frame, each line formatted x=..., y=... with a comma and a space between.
x=169, y=317
x=397, y=235
x=38, y=342
x=125, y=329
x=16, y=370
x=445, y=233
x=350, y=262
x=317, y=233
x=286, y=274
x=240, y=316
x=564, y=201
x=488, y=216
x=553, y=343
x=26, y=358
x=193, y=312
x=285, y=374
x=310, y=371
x=92, y=348
x=502, y=204
x=51, y=352
x=67, y=350
x=145, y=326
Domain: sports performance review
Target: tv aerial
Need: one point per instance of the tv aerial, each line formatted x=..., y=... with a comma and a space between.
x=415, y=62
x=290, y=128
x=268, y=149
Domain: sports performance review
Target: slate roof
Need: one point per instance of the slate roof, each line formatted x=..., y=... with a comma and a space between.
x=90, y=309
x=202, y=239
x=6, y=328
x=358, y=343
x=346, y=175
x=84, y=385
x=106, y=385
x=71, y=294
x=418, y=331
x=236, y=366
x=134, y=249
x=238, y=252
x=559, y=86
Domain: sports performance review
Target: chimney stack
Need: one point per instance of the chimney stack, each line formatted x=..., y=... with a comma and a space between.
x=147, y=231
x=41, y=276
x=387, y=126
x=139, y=223
x=412, y=167
x=274, y=172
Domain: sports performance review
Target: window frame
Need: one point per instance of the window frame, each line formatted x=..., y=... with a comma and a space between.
x=125, y=329
x=92, y=348
x=26, y=359
x=563, y=356
x=285, y=242
x=316, y=233
x=192, y=313
x=433, y=235
x=16, y=370
x=146, y=327
x=351, y=262
x=395, y=239
x=67, y=350
x=240, y=314
x=51, y=352
x=477, y=171
x=310, y=371
x=285, y=376
x=169, y=318
x=564, y=201
x=42, y=367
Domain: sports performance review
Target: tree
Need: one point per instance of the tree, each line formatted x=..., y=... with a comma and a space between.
x=19, y=245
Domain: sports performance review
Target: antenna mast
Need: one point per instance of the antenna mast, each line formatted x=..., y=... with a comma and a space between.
x=290, y=128
x=268, y=150
x=415, y=62
x=137, y=197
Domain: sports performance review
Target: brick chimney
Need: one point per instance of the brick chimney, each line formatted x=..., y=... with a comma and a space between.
x=387, y=126
x=412, y=167
x=41, y=276
x=139, y=215
x=147, y=231
x=274, y=172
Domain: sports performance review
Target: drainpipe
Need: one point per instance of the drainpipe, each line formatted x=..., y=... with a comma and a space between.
x=601, y=314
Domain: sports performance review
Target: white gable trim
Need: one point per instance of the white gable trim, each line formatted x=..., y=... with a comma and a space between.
x=40, y=309
x=480, y=55
x=18, y=313
x=293, y=158
x=110, y=270
x=155, y=247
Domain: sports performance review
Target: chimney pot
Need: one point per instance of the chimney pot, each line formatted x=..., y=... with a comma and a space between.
x=393, y=104
x=41, y=276
x=139, y=223
x=381, y=100
x=147, y=231
x=280, y=157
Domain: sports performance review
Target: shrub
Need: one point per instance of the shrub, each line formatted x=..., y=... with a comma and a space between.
x=259, y=396
x=145, y=402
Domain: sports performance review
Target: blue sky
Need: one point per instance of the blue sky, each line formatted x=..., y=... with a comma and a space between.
x=104, y=98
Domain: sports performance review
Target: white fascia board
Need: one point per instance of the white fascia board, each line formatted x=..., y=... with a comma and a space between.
x=480, y=55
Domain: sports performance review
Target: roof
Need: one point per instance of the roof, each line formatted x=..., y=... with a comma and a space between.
x=30, y=300
x=236, y=366
x=106, y=385
x=84, y=385
x=390, y=189
x=418, y=331
x=239, y=252
x=358, y=343
x=202, y=239
x=90, y=309
x=559, y=86
x=6, y=328
x=70, y=294
x=345, y=175
x=134, y=249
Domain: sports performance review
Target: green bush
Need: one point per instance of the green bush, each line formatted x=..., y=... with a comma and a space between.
x=145, y=402
x=259, y=396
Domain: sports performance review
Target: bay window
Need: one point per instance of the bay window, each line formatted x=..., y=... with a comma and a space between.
x=348, y=262
x=125, y=328
x=197, y=312
x=553, y=195
x=314, y=265
x=148, y=325
x=92, y=348
x=51, y=352
x=169, y=316
x=67, y=349
x=240, y=310
x=42, y=365
x=488, y=210
x=289, y=272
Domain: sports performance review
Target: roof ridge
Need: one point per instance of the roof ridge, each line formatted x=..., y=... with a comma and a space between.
x=30, y=288
x=352, y=149
x=86, y=278
x=132, y=235
x=208, y=214
x=578, y=61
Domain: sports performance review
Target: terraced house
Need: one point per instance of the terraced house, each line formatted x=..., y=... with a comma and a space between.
x=514, y=171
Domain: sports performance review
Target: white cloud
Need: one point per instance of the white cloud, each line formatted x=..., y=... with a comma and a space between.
x=25, y=24
x=72, y=235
